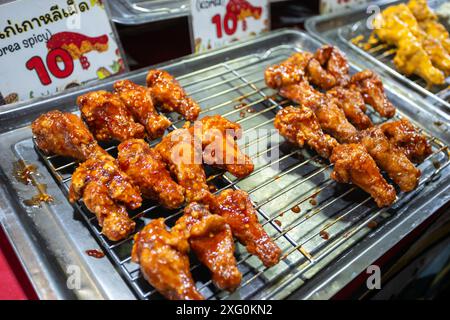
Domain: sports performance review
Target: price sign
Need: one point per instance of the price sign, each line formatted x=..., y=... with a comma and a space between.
x=47, y=46
x=216, y=23
x=328, y=6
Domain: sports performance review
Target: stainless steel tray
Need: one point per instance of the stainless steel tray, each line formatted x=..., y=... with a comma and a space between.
x=325, y=246
x=339, y=29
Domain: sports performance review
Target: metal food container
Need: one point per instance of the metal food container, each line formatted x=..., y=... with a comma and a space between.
x=329, y=232
x=340, y=29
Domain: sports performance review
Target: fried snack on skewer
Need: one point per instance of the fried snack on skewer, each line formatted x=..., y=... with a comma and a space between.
x=170, y=96
x=300, y=126
x=183, y=154
x=211, y=240
x=105, y=191
x=372, y=90
x=406, y=137
x=107, y=117
x=162, y=256
x=139, y=102
x=352, y=103
x=353, y=164
x=148, y=172
x=64, y=134
x=335, y=63
x=220, y=149
x=237, y=209
x=390, y=159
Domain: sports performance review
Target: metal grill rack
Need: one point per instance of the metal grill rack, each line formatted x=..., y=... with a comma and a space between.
x=312, y=218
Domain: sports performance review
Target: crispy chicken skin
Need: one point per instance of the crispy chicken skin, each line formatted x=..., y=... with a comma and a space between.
x=64, y=134
x=183, y=154
x=170, y=96
x=372, y=90
x=335, y=63
x=237, y=209
x=162, y=256
x=105, y=191
x=107, y=117
x=220, y=149
x=288, y=72
x=352, y=163
x=139, y=102
x=300, y=126
x=304, y=94
x=390, y=159
x=211, y=240
x=406, y=137
x=148, y=172
x=352, y=103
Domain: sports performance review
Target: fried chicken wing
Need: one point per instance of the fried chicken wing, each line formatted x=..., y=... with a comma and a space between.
x=148, y=172
x=105, y=191
x=107, y=117
x=162, y=256
x=288, y=72
x=183, y=154
x=139, y=102
x=319, y=76
x=390, y=159
x=372, y=90
x=170, y=96
x=300, y=126
x=407, y=138
x=64, y=134
x=211, y=240
x=237, y=209
x=352, y=163
x=220, y=149
x=335, y=63
x=352, y=103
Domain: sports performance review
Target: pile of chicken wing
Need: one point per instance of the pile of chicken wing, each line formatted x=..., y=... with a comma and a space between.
x=331, y=119
x=171, y=173
x=422, y=43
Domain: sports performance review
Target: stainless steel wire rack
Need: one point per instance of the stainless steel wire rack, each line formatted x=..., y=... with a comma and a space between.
x=312, y=218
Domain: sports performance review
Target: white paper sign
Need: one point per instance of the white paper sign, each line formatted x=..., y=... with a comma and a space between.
x=216, y=23
x=328, y=6
x=47, y=46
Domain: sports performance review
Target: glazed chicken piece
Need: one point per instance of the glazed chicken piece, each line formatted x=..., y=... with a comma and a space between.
x=105, y=191
x=164, y=262
x=170, y=96
x=390, y=159
x=288, y=72
x=108, y=118
x=148, y=172
x=237, y=209
x=353, y=164
x=300, y=126
x=352, y=103
x=183, y=154
x=407, y=138
x=421, y=10
x=211, y=240
x=335, y=63
x=64, y=134
x=220, y=149
x=371, y=88
x=330, y=117
x=139, y=102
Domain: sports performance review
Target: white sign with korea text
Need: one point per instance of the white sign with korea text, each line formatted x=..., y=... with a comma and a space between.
x=47, y=46
x=216, y=23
